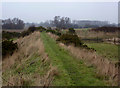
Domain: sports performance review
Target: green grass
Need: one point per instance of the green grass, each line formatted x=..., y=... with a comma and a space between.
x=107, y=50
x=83, y=29
x=31, y=66
x=71, y=71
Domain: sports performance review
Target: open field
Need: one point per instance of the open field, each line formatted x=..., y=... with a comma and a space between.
x=84, y=33
x=99, y=41
x=107, y=50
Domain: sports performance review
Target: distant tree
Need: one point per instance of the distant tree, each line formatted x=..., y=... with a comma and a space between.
x=56, y=21
x=14, y=23
x=62, y=22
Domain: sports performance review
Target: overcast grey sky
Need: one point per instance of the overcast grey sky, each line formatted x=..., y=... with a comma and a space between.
x=41, y=11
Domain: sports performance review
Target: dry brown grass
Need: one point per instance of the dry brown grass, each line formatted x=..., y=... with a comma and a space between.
x=93, y=34
x=48, y=79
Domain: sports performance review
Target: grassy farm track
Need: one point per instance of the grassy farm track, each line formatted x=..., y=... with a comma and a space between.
x=71, y=71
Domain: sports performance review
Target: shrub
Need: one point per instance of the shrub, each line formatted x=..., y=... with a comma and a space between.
x=73, y=39
x=8, y=47
x=10, y=35
x=29, y=31
x=70, y=39
x=51, y=31
x=25, y=33
x=40, y=28
x=54, y=32
x=71, y=31
x=58, y=33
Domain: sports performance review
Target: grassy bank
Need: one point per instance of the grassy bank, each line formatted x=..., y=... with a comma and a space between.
x=29, y=66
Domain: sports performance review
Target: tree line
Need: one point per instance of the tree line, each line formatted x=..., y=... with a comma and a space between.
x=14, y=23
x=57, y=22
x=66, y=22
